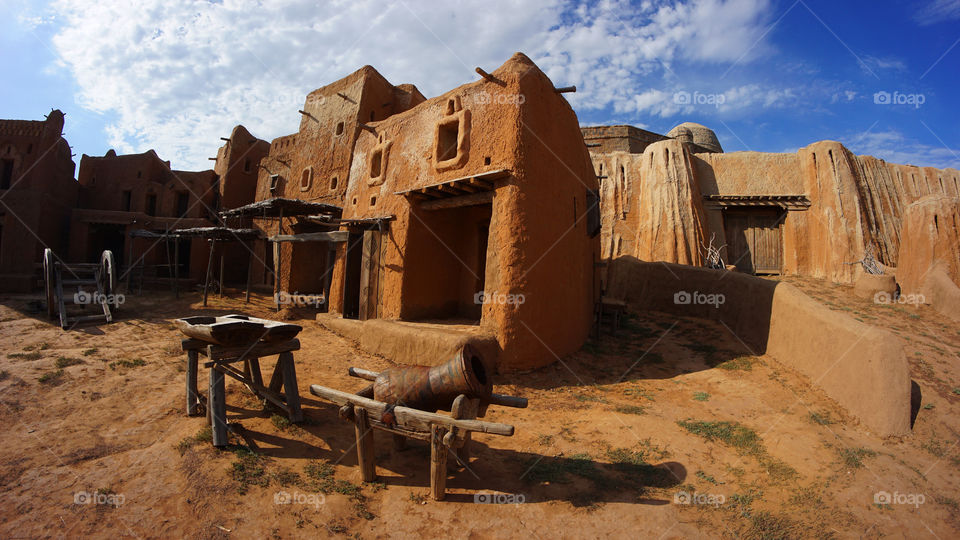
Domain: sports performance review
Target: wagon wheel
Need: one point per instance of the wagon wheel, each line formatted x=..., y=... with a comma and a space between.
x=48, y=277
x=108, y=275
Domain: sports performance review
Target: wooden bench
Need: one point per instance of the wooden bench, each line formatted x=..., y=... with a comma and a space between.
x=444, y=433
x=220, y=358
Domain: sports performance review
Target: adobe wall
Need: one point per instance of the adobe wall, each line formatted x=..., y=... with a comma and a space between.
x=860, y=366
x=533, y=249
x=36, y=207
x=930, y=253
x=238, y=167
x=621, y=138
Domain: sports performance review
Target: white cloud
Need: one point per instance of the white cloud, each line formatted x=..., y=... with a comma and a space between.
x=178, y=74
x=894, y=147
x=937, y=11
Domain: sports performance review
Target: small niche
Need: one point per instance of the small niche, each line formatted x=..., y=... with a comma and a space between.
x=339, y=130
x=376, y=164
x=354, y=201
x=373, y=200
x=274, y=181
x=246, y=165
x=306, y=179
x=486, y=160
x=447, y=138
x=333, y=183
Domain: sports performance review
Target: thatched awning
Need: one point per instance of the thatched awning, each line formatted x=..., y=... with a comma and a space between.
x=279, y=206
x=209, y=233
x=789, y=202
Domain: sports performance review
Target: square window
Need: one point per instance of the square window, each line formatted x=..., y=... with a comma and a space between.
x=376, y=164
x=447, y=137
x=274, y=181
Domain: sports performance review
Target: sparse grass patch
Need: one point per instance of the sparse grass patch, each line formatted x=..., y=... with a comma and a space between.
x=701, y=396
x=936, y=447
x=853, y=457
x=280, y=422
x=205, y=435
x=707, y=478
x=51, y=377
x=417, y=498
x=639, y=392
x=136, y=362
x=89, y=352
x=767, y=526
x=545, y=440
x=65, y=361
x=33, y=355
x=740, y=363
x=320, y=477
x=822, y=418
x=744, y=440
x=928, y=406
x=630, y=409
x=558, y=470
x=249, y=470
x=590, y=398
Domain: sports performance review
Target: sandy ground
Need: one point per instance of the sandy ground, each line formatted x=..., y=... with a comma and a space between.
x=616, y=438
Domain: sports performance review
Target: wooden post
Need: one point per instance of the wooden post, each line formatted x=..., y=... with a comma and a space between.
x=249, y=270
x=176, y=269
x=438, y=462
x=255, y=373
x=193, y=400
x=206, y=281
x=220, y=294
x=364, y=445
x=166, y=244
x=129, y=264
x=216, y=398
x=277, y=253
x=290, y=389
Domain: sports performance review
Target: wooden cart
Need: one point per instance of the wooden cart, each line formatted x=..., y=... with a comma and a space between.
x=80, y=284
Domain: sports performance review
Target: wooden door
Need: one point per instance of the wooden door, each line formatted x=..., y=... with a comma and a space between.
x=755, y=240
x=370, y=276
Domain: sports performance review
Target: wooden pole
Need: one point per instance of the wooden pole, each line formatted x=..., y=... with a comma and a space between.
x=166, y=244
x=176, y=270
x=364, y=444
x=206, y=281
x=438, y=462
x=129, y=263
x=277, y=253
x=290, y=389
x=249, y=270
x=220, y=294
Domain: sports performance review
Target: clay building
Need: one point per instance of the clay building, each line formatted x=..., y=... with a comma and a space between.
x=313, y=165
x=237, y=167
x=470, y=216
x=37, y=194
x=122, y=193
x=815, y=212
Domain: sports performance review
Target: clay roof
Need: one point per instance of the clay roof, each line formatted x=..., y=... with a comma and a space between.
x=32, y=128
x=697, y=134
x=286, y=207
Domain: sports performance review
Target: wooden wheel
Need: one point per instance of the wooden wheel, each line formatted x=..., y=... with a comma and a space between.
x=108, y=274
x=49, y=285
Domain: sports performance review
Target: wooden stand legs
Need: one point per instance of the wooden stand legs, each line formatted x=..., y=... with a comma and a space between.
x=438, y=462
x=193, y=399
x=291, y=392
x=364, y=445
x=217, y=407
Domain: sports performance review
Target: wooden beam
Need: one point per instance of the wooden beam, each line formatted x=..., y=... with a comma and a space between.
x=489, y=77
x=474, y=199
x=409, y=418
x=332, y=236
x=565, y=89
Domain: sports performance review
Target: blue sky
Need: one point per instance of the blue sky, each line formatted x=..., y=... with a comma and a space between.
x=766, y=75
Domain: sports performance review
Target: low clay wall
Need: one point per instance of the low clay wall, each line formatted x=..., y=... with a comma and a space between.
x=860, y=366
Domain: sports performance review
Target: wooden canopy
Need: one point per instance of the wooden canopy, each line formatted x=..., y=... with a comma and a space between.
x=788, y=202
x=467, y=190
x=281, y=207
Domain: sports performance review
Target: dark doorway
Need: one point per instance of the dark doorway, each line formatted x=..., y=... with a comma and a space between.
x=183, y=199
x=104, y=237
x=183, y=256
x=6, y=173
x=351, y=280
x=755, y=239
x=151, y=205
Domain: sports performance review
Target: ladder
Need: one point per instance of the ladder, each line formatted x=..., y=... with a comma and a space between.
x=85, y=283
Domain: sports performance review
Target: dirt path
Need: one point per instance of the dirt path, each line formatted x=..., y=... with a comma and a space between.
x=616, y=438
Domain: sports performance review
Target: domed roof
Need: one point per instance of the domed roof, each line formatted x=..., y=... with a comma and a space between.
x=697, y=134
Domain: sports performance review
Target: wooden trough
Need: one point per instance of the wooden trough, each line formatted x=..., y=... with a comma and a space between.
x=444, y=433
